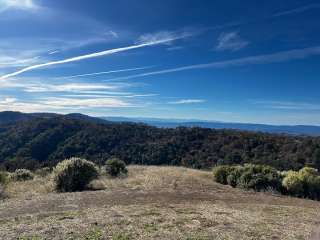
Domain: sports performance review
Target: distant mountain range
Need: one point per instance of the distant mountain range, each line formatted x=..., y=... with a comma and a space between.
x=13, y=117
x=172, y=123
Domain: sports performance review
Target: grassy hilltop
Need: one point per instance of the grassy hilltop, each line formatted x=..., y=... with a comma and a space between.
x=153, y=203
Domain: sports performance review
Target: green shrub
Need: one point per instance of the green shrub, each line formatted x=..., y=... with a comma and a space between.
x=310, y=180
x=115, y=167
x=234, y=176
x=305, y=183
x=21, y=175
x=74, y=174
x=260, y=178
x=313, y=189
x=221, y=173
x=4, y=177
x=2, y=192
x=43, y=172
x=293, y=184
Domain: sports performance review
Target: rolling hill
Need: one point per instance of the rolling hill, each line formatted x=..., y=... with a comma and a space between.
x=309, y=130
x=44, y=141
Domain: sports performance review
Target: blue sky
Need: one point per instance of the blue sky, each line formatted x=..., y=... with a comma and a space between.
x=231, y=60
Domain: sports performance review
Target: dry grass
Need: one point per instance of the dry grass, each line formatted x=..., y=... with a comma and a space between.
x=156, y=178
x=139, y=178
x=154, y=203
x=29, y=189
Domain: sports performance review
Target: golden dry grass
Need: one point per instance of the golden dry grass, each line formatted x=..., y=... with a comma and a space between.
x=154, y=203
x=155, y=178
x=30, y=188
x=139, y=178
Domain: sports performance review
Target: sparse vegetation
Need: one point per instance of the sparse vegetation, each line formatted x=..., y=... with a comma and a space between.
x=116, y=167
x=4, y=177
x=2, y=193
x=146, y=205
x=21, y=175
x=121, y=236
x=74, y=174
x=43, y=172
x=94, y=234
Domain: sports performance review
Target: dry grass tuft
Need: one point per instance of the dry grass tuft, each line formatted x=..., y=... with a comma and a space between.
x=31, y=188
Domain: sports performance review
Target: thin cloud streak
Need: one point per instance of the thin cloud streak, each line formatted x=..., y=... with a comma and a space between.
x=88, y=56
x=284, y=56
x=287, y=105
x=297, y=10
x=188, y=101
x=106, y=72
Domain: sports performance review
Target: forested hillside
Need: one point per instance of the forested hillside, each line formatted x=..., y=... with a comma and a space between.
x=46, y=141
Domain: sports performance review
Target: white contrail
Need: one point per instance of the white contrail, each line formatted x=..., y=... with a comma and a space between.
x=87, y=56
x=106, y=72
x=284, y=56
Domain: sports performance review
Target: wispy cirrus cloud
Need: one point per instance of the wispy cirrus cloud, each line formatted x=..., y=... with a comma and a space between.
x=63, y=104
x=52, y=85
x=284, y=56
x=108, y=102
x=158, y=36
x=188, y=101
x=230, y=41
x=288, y=105
x=68, y=87
x=152, y=42
x=40, y=94
x=297, y=10
x=19, y=60
x=17, y=52
x=105, y=72
x=18, y=4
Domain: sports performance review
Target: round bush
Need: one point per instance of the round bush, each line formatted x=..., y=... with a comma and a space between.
x=22, y=175
x=4, y=177
x=221, y=173
x=234, y=176
x=260, y=178
x=74, y=175
x=312, y=188
x=293, y=184
x=310, y=180
x=115, y=167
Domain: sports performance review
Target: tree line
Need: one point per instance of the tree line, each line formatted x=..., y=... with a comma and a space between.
x=42, y=142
